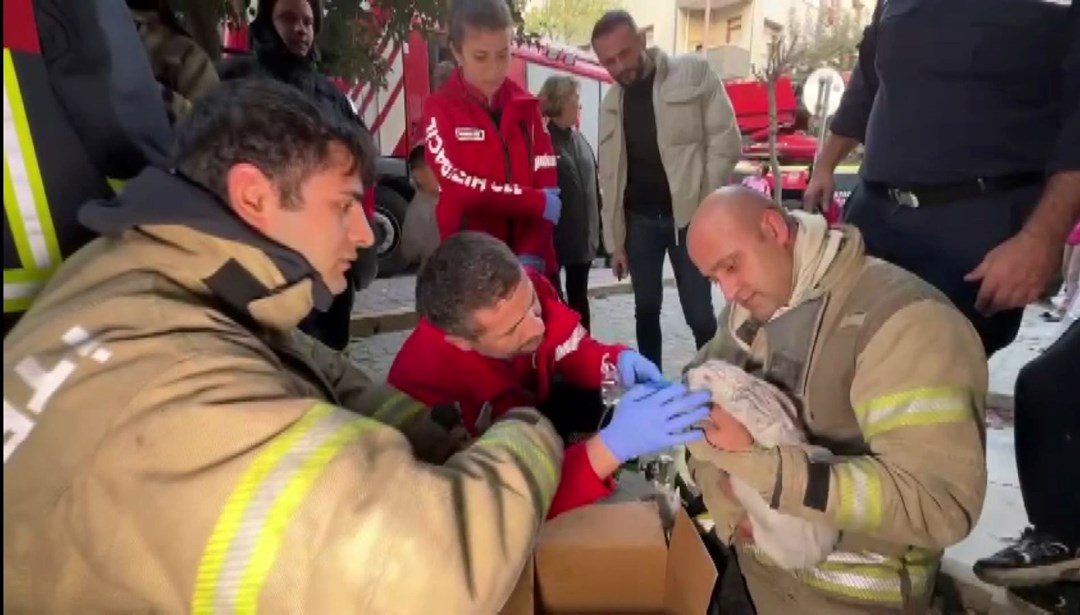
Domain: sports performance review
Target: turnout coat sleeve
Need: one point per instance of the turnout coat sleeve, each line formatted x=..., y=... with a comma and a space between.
x=922, y=415
x=430, y=442
x=490, y=194
x=358, y=520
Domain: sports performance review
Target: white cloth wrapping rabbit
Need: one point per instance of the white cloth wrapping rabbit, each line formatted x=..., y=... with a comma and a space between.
x=772, y=419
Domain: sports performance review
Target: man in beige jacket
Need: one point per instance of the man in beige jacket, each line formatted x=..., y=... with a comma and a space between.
x=667, y=139
x=889, y=377
x=172, y=445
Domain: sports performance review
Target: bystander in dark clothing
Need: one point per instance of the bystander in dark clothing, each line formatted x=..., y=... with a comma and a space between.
x=577, y=234
x=965, y=108
x=1047, y=410
x=274, y=59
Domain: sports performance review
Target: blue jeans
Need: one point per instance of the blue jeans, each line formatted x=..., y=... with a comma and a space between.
x=648, y=239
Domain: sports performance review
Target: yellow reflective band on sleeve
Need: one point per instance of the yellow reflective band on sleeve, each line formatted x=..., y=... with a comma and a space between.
x=922, y=406
x=879, y=581
x=867, y=577
x=115, y=184
x=398, y=410
x=25, y=206
x=859, y=488
x=244, y=544
x=528, y=453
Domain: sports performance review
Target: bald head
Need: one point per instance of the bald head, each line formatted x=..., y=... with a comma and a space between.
x=742, y=241
x=733, y=208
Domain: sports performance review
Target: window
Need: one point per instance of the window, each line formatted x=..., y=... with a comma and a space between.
x=734, y=31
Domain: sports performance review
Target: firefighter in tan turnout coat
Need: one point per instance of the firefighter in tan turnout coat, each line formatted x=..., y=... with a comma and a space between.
x=169, y=445
x=889, y=376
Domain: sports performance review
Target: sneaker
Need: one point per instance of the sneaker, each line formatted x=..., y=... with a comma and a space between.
x=1035, y=559
x=1052, y=599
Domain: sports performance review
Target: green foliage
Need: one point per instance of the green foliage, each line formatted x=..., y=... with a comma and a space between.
x=834, y=45
x=566, y=21
x=351, y=36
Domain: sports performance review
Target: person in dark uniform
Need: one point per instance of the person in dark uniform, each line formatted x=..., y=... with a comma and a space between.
x=970, y=114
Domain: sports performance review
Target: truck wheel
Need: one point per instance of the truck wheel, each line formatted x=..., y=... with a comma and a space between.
x=389, y=221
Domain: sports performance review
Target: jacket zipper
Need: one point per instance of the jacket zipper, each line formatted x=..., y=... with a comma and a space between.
x=509, y=173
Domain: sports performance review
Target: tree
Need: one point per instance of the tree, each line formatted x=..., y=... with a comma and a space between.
x=784, y=53
x=829, y=42
x=566, y=21
x=351, y=34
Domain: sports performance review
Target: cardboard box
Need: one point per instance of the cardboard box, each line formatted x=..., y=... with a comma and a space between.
x=610, y=559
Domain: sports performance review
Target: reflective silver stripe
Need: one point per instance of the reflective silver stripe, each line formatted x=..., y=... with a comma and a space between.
x=244, y=544
x=19, y=290
x=867, y=577
x=20, y=186
x=571, y=344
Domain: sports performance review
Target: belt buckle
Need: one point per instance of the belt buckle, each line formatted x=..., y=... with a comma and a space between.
x=904, y=197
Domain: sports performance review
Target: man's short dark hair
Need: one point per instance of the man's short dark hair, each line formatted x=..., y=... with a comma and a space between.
x=610, y=21
x=268, y=124
x=480, y=14
x=467, y=272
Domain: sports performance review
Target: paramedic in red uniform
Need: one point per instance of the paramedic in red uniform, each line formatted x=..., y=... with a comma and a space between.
x=487, y=142
x=494, y=336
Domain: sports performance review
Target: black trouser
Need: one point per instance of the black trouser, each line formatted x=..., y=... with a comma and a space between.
x=648, y=239
x=572, y=410
x=332, y=326
x=943, y=243
x=577, y=289
x=1048, y=437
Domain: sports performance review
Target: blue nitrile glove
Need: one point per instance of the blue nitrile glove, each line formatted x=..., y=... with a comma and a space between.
x=552, y=205
x=636, y=369
x=649, y=419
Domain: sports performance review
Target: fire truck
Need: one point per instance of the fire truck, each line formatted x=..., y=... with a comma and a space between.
x=392, y=113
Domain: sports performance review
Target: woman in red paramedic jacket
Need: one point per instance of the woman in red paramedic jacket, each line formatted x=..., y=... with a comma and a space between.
x=487, y=142
x=491, y=339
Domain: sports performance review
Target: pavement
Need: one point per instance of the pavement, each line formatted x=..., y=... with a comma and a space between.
x=1003, y=515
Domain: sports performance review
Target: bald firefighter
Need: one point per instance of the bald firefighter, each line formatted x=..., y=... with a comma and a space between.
x=172, y=445
x=889, y=376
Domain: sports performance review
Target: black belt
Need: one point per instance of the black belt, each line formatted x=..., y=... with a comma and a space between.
x=917, y=196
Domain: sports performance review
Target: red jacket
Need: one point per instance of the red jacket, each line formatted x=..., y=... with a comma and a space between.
x=492, y=177
x=431, y=370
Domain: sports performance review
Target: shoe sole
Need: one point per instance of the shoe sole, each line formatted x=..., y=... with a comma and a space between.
x=1069, y=570
x=1023, y=606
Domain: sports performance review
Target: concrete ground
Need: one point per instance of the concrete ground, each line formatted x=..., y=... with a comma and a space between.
x=1003, y=515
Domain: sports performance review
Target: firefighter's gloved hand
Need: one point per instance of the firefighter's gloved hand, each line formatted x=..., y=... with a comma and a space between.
x=552, y=205
x=649, y=419
x=636, y=369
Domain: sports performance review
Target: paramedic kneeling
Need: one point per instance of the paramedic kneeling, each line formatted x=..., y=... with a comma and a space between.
x=888, y=376
x=494, y=336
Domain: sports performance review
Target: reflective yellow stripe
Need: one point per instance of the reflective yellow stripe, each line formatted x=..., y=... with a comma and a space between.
x=398, y=410
x=535, y=460
x=25, y=204
x=859, y=486
x=870, y=582
x=922, y=406
x=867, y=577
x=115, y=184
x=244, y=544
